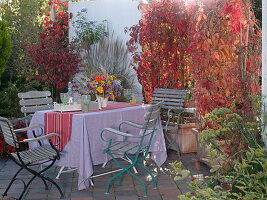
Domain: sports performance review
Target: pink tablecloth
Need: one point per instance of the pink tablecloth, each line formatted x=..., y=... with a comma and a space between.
x=61, y=122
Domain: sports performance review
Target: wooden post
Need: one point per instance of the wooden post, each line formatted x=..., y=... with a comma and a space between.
x=264, y=68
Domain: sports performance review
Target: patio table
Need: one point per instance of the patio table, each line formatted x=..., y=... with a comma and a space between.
x=84, y=148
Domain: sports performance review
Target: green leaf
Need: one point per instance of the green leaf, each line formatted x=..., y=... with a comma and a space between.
x=215, y=168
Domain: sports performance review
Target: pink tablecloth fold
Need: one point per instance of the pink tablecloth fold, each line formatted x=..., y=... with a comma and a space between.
x=57, y=122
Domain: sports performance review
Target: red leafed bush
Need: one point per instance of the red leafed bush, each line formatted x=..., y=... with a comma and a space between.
x=213, y=44
x=226, y=57
x=55, y=60
x=163, y=34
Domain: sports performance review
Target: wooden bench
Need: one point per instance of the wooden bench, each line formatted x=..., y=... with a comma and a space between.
x=172, y=109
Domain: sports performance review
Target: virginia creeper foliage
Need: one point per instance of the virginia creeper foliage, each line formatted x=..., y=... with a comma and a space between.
x=55, y=60
x=163, y=34
x=214, y=44
x=226, y=56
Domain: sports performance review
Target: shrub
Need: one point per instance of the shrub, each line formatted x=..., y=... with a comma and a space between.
x=5, y=45
x=55, y=60
x=228, y=136
x=164, y=35
x=247, y=180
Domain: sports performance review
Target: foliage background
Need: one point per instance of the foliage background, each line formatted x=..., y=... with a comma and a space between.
x=5, y=45
x=55, y=60
x=24, y=19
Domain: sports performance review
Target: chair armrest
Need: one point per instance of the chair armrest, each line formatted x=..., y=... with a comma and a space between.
x=179, y=111
x=140, y=126
x=39, y=138
x=26, y=128
x=176, y=112
x=117, y=132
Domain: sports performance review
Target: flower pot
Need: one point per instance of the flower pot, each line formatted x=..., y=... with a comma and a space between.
x=187, y=139
x=102, y=101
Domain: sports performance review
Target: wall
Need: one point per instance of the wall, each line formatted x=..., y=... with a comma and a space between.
x=118, y=13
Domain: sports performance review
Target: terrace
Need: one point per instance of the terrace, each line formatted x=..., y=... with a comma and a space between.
x=175, y=88
x=168, y=189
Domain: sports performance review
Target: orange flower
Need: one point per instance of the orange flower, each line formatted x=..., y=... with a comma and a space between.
x=97, y=78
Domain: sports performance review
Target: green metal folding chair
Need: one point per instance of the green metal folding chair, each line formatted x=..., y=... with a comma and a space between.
x=134, y=147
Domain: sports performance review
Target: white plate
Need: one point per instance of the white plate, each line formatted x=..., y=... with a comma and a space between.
x=66, y=108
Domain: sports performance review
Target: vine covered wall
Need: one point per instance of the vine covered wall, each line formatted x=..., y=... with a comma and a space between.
x=213, y=46
x=227, y=56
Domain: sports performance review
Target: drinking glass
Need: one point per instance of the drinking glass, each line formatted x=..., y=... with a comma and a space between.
x=85, y=102
x=64, y=97
x=77, y=98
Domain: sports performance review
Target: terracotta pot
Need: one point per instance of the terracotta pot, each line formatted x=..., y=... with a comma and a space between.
x=187, y=139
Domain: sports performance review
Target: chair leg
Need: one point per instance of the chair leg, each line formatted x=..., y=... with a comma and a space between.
x=46, y=186
x=171, y=143
x=12, y=180
x=55, y=184
x=116, y=175
x=177, y=146
x=91, y=182
x=60, y=172
x=121, y=173
x=128, y=160
x=39, y=174
x=120, y=179
x=150, y=173
x=140, y=181
x=111, y=180
x=26, y=187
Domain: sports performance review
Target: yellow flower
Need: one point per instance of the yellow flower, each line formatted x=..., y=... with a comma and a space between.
x=111, y=78
x=100, y=89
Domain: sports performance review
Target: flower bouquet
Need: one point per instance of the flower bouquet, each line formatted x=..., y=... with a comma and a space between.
x=104, y=86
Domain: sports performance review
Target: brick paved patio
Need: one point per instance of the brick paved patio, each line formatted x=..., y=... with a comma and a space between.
x=168, y=189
